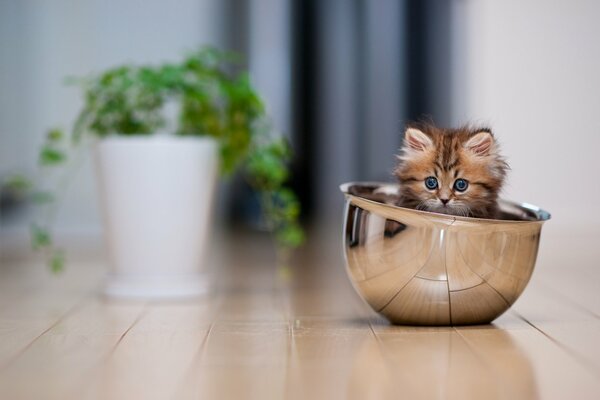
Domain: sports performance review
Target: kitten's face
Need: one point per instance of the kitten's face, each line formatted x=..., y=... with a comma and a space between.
x=457, y=172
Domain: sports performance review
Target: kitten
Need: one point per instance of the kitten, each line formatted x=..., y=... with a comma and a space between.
x=451, y=171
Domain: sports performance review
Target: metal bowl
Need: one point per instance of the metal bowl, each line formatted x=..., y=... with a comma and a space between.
x=423, y=268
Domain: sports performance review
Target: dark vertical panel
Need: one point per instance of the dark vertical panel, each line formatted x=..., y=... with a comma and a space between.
x=337, y=94
x=384, y=87
x=304, y=36
x=241, y=202
x=236, y=29
x=362, y=136
x=438, y=44
x=416, y=60
x=428, y=43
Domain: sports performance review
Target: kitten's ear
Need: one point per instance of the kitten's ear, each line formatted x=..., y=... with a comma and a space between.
x=415, y=139
x=480, y=144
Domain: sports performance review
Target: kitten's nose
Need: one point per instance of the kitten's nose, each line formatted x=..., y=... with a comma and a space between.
x=445, y=201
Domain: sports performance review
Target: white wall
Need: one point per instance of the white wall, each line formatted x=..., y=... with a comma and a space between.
x=532, y=71
x=42, y=42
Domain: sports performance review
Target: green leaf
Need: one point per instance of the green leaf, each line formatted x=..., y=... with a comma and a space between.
x=18, y=183
x=55, y=135
x=57, y=261
x=291, y=236
x=51, y=156
x=42, y=197
x=40, y=237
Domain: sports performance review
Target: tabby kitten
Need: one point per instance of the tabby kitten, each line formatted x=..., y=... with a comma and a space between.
x=451, y=171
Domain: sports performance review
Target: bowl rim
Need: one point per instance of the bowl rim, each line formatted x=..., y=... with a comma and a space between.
x=541, y=215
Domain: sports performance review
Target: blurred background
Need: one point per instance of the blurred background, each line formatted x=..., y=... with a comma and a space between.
x=340, y=78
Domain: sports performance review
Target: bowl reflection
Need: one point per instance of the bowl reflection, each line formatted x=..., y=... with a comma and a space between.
x=422, y=268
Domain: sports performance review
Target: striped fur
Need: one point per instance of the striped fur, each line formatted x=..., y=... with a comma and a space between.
x=449, y=154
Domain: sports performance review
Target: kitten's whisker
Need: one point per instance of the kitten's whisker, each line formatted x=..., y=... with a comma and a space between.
x=421, y=206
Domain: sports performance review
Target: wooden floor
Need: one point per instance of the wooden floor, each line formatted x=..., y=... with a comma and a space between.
x=299, y=333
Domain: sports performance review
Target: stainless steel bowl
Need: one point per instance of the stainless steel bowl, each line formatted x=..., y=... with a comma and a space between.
x=423, y=268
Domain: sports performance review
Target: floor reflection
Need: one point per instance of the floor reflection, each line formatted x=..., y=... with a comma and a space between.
x=474, y=362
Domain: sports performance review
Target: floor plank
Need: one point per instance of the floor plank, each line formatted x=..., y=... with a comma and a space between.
x=269, y=332
x=529, y=364
x=61, y=360
x=336, y=359
x=152, y=359
x=571, y=327
x=38, y=301
x=242, y=360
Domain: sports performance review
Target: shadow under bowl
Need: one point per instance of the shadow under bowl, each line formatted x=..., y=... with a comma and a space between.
x=422, y=268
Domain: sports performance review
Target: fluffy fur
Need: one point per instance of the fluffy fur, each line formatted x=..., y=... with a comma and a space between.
x=465, y=153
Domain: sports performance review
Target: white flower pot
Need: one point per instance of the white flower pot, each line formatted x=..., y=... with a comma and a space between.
x=157, y=199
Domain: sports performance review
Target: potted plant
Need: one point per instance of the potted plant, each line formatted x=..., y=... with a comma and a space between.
x=160, y=134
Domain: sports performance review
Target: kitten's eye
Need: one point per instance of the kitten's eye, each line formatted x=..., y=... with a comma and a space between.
x=461, y=185
x=431, y=183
